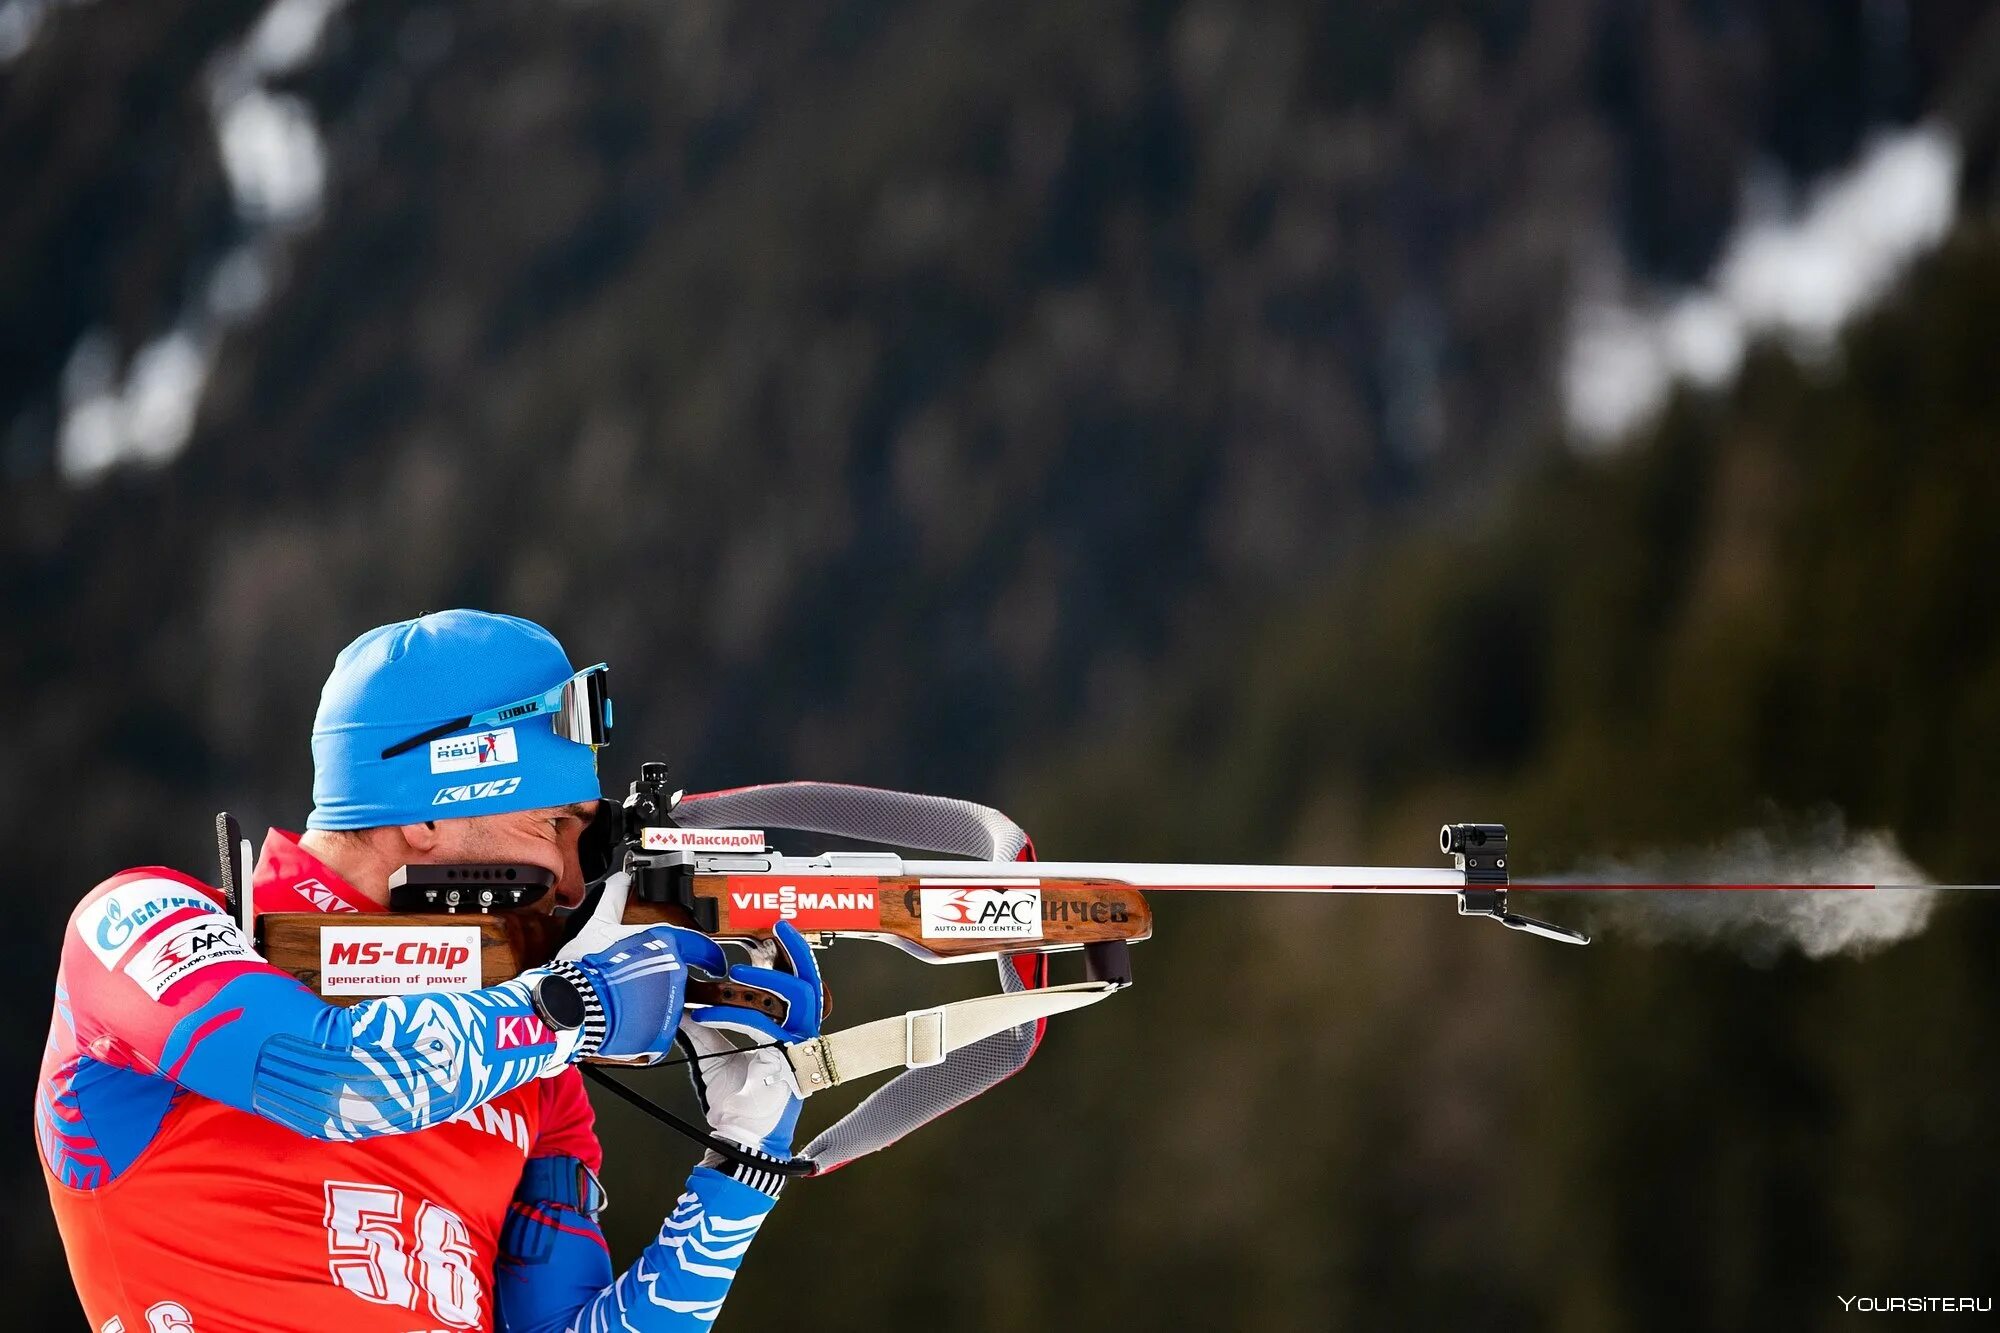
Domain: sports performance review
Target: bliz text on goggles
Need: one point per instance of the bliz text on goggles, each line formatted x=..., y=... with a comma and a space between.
x=579, y=710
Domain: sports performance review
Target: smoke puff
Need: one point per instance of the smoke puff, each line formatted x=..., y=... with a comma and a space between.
x=1762, y=925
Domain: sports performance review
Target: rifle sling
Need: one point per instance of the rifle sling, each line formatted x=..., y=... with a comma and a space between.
x=914, y=1040
x=926, y=1036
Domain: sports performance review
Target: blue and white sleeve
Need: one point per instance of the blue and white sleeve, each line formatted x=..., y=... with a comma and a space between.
x=555, y=1272
x=183, y=997
x=393, y=1065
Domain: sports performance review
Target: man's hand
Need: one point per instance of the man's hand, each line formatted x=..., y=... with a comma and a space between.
x=750, y=1095
x=605, y=926
x=639, y=984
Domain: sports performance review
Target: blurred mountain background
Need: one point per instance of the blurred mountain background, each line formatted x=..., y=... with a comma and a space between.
x=1221, y=431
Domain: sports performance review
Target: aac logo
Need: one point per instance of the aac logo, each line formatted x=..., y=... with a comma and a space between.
x=962, y=909
x=476, y=791
x=980, y=912
x=181, y=948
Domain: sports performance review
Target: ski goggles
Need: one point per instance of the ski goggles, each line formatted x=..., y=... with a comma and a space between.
x=579, y=710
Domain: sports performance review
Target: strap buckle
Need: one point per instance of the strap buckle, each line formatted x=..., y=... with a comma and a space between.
x=910, y=1037
x=590, y=1196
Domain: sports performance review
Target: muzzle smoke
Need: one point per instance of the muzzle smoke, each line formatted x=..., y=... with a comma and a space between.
x=1763, y=924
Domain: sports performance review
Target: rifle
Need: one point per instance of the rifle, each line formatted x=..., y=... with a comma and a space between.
x=697, y=864
x=705, y=862
x=728, y=883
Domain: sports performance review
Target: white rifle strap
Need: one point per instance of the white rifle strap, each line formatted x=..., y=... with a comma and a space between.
x=926, y=1036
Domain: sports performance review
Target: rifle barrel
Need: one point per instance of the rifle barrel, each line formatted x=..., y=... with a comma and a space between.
x=1169, y=877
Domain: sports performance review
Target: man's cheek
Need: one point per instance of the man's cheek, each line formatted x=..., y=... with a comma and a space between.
x=569, y=887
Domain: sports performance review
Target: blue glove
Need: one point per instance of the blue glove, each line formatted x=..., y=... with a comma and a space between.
x=640, y=982
x=750, y=1095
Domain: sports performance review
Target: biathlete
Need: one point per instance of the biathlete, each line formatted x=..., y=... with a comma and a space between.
x=225, y=1151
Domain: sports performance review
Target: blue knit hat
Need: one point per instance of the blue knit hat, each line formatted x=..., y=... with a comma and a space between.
x=402, y=679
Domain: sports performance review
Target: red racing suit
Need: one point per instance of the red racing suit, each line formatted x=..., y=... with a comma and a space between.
x=225, y=1151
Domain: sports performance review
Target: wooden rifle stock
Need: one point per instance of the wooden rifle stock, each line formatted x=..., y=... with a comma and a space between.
x=510, y=943
x=1074, y=913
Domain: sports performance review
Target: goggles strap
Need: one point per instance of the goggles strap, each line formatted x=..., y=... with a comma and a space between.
x=444, y=729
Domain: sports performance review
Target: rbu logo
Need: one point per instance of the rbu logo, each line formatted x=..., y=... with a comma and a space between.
x=476, y=791
x=485, y=750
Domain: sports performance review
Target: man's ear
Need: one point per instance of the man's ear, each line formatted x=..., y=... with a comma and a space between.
x=421, y=838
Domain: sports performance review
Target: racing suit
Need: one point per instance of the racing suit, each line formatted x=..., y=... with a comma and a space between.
x=225, y=1151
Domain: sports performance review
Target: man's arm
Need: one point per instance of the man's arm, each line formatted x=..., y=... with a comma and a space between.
x=555, y=1275
x=160, y=980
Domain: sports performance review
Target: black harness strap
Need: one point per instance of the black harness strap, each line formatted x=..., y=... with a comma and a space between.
x=798, y=1166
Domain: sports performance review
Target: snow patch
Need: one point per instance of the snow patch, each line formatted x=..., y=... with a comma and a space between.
x=275, y=161
x=1800, y=276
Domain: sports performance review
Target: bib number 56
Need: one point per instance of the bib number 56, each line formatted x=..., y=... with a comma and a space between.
x=371, y=1255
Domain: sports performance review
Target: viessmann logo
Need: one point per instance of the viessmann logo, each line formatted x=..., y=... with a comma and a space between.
x=822, y=902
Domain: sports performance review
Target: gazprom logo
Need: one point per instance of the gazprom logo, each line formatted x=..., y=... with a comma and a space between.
x=476, y=791
x=115, y=927
x=110, y=924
